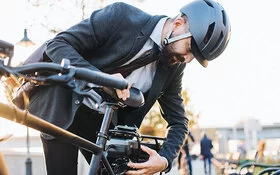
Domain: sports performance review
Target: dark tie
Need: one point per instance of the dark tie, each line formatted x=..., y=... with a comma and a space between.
x=145, y=59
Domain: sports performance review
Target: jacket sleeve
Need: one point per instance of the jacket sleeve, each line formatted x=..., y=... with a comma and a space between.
x=173, y=112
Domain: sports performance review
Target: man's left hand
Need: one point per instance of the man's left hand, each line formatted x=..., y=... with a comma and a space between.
x=155, y=164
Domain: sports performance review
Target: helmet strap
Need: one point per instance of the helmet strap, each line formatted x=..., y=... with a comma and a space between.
x=168, y=39
x=176, y=38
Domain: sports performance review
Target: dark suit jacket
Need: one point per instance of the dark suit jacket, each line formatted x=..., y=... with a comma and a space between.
x=206, y=146
x=106, y=40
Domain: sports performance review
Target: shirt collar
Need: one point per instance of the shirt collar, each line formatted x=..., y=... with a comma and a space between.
x=157, y=32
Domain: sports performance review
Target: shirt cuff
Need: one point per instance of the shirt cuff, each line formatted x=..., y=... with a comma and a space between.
x=166, y=167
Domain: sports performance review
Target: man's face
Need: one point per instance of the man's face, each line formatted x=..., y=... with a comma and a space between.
x=178, y=52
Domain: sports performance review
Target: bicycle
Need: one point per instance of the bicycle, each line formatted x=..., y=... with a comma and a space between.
x=249, y=168
x=113, y=147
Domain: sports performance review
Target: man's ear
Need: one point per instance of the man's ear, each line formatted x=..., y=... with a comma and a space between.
x=179, y=21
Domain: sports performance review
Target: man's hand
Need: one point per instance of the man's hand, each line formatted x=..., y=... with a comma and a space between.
x=155, y=164
x=122, y=94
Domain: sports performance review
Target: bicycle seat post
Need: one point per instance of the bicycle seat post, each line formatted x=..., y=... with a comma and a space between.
x=101, y=139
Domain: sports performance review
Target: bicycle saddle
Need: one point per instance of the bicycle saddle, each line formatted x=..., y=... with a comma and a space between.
x=136, y=98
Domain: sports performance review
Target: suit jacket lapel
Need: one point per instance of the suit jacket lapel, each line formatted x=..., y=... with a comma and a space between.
x=142, y=37
x=139, y=42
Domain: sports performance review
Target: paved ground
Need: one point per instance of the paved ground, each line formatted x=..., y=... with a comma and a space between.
x=197, y=169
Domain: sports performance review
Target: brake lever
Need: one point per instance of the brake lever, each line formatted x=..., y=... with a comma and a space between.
x=95, y=97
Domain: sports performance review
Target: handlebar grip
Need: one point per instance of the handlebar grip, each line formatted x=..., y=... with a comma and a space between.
x=136, y=98
x=101, y=78
x=37, y=67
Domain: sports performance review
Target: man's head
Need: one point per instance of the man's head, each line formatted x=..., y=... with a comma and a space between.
x=207, y=30
x=179, y=51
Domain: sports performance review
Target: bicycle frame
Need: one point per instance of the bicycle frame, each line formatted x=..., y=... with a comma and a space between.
x=64, y=74
x=24, y=118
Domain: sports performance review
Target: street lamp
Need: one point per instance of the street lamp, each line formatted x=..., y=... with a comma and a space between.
x=28, y=162
x=26, y=42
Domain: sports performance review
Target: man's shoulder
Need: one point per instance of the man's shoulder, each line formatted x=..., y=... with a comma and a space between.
x=120, y=4
x=123, y=6
x=126, y=12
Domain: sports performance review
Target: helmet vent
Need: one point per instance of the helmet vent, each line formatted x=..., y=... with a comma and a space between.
x=208, y=3
x=209, y=33
x=218, y=42
x=224, y=17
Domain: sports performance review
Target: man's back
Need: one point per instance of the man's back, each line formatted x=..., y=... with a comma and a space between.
x=206, y=146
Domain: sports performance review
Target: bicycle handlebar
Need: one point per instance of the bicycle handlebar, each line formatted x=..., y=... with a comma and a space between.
x=95, y=77
x=108, y=81
x=47, y=72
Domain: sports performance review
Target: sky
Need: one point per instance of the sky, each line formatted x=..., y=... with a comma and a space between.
x=242, y=83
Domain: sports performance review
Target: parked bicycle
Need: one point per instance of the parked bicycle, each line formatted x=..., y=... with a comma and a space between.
x=252, y=167
x=114, y=148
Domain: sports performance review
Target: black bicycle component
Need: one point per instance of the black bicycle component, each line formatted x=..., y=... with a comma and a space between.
x=6, y=50
x=136, y=97
x=124, y=145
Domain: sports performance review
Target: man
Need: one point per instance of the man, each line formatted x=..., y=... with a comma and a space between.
x=205, y=151
x=110, y=38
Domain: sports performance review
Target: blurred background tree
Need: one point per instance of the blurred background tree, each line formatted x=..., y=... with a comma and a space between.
x=71, y=12
x=154, y=124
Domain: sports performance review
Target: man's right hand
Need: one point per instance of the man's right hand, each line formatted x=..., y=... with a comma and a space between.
x=125, y=93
